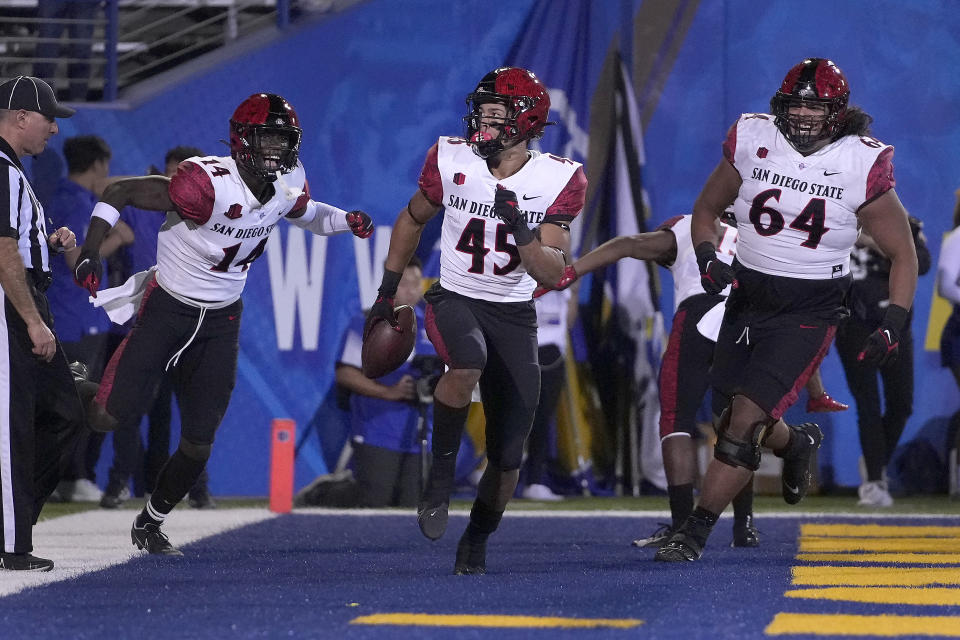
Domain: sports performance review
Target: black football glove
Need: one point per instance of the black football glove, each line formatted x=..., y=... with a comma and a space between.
x=382, y=308
x=360, y=224
x=88, y=271
x=715, y=274
x=505, y=207
x=883, y=345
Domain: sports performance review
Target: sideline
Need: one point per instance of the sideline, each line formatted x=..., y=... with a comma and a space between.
x=92, y=540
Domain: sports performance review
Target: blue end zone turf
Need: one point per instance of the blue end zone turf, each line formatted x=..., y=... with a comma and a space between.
x=310, y=575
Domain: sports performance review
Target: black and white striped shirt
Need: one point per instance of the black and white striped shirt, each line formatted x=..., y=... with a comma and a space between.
x=21, y=214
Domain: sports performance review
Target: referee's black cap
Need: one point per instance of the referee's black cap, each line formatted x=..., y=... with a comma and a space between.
x=32, y=94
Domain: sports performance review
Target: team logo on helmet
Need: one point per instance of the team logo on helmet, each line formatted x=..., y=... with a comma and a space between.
x=527, y=104
x=815, y=82
x=265, y=136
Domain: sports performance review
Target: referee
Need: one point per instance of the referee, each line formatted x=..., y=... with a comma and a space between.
x=40, y=411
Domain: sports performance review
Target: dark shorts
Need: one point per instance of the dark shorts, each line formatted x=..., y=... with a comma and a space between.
x=684, y=370
x=499, y=339
x=203, y=375
x=775, y=333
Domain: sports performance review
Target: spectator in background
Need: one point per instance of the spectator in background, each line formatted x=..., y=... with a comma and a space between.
x=948, y=286
x=879, y=425
x=552, y=312
x=81, y=328
x=385, y=413
x=76, y=17
x=141, y=255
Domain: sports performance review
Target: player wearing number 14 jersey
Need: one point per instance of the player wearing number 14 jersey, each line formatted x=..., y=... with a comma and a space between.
x=507, y=211
x=802, y=181
x=221, y=212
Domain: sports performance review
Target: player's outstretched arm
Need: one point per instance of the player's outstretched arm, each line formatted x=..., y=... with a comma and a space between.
x=324, y=219
x=660, y=245
x=147, y=192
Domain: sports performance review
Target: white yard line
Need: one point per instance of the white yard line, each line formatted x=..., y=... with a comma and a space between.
x=624, y=513
x=93, y=540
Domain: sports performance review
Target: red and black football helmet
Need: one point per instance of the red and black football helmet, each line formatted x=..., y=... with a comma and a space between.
x=265, y=136
x=527, y=103
x=815, y=81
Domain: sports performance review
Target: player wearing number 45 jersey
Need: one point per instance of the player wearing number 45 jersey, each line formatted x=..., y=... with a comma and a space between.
x=802, y=181
x=222, y=210
x=505, y=228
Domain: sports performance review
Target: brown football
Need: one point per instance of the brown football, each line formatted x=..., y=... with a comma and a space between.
x=385, y=348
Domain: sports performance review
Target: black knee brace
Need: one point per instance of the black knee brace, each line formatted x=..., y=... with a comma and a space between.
x=736, y=452
x=195, y=451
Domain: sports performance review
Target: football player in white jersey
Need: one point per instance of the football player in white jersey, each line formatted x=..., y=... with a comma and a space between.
x=223, y=209
x=688, y=357
x=802, y=181
x=507, y=211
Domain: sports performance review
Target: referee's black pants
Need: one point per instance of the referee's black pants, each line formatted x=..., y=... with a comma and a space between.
x=40, y=418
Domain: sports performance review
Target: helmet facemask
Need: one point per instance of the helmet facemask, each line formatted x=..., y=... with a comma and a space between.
x=526, y=102
x=264, y=150
x=805, y=132
x=816, y=84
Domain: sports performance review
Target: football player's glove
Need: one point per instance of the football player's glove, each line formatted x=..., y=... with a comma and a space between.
x=505, y=207
x=383, y=306
x=883, y=345
x=360, y=224
x=715, y=274
x=88, y=271
x=570, y=276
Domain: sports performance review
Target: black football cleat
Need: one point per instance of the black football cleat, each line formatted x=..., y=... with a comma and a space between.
x=745, y=534
x=686, y=545
x=795, y=478
x=679, y=548
x=657, y=539
x=433, y=520
x=471, y=557
x=150, y=537
x=24, y=562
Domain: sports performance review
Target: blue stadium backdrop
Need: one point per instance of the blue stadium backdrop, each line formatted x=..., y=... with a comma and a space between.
x=375, y=86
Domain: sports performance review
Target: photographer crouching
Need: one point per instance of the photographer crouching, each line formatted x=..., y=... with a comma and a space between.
x=390, y=417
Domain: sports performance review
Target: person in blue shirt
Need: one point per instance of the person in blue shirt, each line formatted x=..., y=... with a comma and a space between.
x=385, y=412
x=82, y=328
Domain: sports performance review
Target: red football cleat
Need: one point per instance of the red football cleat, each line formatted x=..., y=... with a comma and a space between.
x=825, y=404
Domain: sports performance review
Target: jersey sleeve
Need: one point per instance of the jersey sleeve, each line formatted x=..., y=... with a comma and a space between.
x=880, y=179
x=301, y=204
x=730, y=144
x=668, y=224
x=569, y=203
x=430, y=183
x=192, y=192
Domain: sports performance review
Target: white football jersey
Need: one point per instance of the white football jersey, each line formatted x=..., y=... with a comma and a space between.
x=478, y=256
x=686, y=272
x=204, y=252
x=796, y=214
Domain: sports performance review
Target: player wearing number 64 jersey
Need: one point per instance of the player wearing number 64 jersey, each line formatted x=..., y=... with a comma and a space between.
x=506, y=219
x=221, y=212
x=802, y=179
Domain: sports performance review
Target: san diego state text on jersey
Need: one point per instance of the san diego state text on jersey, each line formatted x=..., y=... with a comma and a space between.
x=796, y=214
x=478, y=256
x=221, y=229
